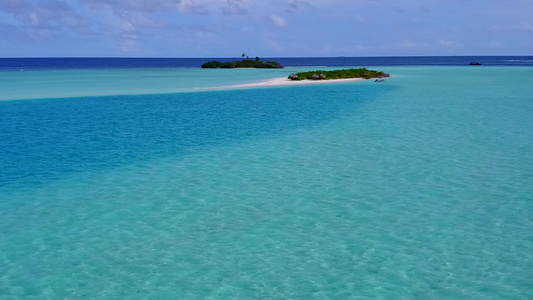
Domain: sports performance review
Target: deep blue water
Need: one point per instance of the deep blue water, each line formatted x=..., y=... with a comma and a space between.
x=122, y=63
x=41, y=139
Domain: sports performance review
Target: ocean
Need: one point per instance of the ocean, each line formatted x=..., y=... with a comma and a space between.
x=139, y=179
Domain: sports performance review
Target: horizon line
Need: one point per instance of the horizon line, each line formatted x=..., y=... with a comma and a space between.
x=204, y=57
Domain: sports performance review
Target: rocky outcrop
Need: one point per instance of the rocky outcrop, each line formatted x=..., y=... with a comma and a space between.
x=315, y=76
x=293, y=76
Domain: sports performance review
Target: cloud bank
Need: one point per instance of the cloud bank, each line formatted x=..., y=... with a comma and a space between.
x=270, y=27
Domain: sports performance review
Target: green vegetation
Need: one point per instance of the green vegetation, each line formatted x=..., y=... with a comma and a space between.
x=245, y=63
x=338, y=74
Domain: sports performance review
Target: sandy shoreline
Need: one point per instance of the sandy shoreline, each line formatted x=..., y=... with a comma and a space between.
x=281, y=81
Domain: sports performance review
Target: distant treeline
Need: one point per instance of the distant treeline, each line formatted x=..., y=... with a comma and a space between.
x=338, y=74
x=246, y=63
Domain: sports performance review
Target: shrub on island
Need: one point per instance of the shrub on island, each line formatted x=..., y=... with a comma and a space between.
x=246, y=63
x=338, y=74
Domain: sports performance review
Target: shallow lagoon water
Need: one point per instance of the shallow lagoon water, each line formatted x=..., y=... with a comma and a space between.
x=415, y=188
x=56, y=83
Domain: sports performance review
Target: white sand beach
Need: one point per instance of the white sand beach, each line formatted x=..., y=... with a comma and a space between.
x=285, y=81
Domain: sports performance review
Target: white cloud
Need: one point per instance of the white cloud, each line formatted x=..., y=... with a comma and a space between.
x=189, y=7
x=41, y=20
x=232, y=8
x=183, y=6
x=139, y=20
x=129, y=20
x=361, y=48
x=129, y=44
x=296, y=5
x=407, y=44
x=448, y=43
x=278, y=21
x=522, y=27
x=359, y=19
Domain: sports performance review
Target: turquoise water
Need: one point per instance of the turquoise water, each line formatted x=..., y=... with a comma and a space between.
x=97, y=82
x=415, y=188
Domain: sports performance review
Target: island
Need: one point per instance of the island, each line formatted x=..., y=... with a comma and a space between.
x=245, y=63
x=338, y=74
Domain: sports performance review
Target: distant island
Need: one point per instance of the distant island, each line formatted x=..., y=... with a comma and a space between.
x=338, y=74
x=245, y=63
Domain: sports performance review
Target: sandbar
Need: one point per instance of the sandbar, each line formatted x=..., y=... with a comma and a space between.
x=281, y=81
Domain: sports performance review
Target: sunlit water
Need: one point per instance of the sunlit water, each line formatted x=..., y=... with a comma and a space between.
x=419, y=187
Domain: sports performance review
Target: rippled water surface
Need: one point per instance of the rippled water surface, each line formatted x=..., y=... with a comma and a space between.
x=415, y=188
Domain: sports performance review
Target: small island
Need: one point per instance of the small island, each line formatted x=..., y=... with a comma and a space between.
x=338, y=74
x=245, y=63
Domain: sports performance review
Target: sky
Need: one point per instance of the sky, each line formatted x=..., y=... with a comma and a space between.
x=266, y=28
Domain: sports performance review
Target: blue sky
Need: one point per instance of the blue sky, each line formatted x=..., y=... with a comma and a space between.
x=227, y=28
